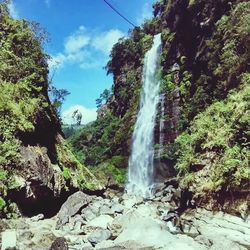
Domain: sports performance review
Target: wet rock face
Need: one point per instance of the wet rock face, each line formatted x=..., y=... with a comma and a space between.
x=163, y=170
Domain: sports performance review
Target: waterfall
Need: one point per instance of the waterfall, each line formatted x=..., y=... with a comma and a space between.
x=161, y=134
x=141, y=162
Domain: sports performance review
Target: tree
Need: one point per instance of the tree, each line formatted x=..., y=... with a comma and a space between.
x=104, y=96
x=57, y=98
x=77, y=117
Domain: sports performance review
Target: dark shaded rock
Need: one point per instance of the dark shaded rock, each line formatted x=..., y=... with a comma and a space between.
x=72, y=205
x=170, y=216
x=59, y=244
x=169, y=189
x=4, y=225
x=37, y=166
x=167, y=198
x=163, y=170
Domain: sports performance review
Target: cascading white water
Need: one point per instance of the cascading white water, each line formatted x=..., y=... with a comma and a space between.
x=141, y=167
x=161, y=134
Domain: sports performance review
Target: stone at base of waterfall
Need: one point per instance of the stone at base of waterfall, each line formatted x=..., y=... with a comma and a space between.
x=147, y=232
x=117, y=208
x=99, y=236
x=85, y=246
x=59, y=244
x=37, y=217
x=72, y=205
x=147, y=210
x=9, y=239
x=105, y=209
x=123, y=221
x=107, y=244
x=185, y=242
x=101, y=221
x=130, y=201
x=223, y=243
x=219, y=224
x=87, y=214
x=190, y=230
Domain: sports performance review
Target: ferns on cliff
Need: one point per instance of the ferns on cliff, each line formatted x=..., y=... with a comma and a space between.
x=217, y=143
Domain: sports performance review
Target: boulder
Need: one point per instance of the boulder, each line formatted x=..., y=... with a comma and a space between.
x=99, y=236
x=105, y=209
x=213, y=225
x=87, y=214
x=37, y=217
x=117, y=208
x=101, y=221
x=130, y=201
x=107, y=244
x=203, y=240
x=59, y=244
x=147, y=232
x=9, y=240
x=72, y=205
x=223, y=243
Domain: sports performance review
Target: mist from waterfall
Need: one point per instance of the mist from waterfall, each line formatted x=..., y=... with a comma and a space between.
x=141, y=162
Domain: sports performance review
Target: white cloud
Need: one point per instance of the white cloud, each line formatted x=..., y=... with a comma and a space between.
x=13, y=10
x=146, y=13
x=57, y=61
x=77, y=41
x=88, y=115
x=87, y=49
x=106, y=40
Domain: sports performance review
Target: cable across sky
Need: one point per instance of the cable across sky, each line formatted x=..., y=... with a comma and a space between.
x=119, y=13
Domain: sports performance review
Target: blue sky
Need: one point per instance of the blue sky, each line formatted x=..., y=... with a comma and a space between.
x=82, y=32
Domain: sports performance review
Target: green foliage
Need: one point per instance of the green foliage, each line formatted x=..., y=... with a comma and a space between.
x=191, y=2
x=233, y=32
x=185, y=83
x=105, y=95
x=23, y=75
x=167, y=83
x=109, y=173
x=69, y=130
x=92, y=144
x=25, y=109
x=2, y=204
x=118, y=161
x=66, y=173
x=212, y=120
x=216, y=136
x=57, y=97
x=167, y=36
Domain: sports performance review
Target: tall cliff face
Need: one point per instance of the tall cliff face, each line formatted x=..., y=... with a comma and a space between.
x=34, y=158
x=205, y=69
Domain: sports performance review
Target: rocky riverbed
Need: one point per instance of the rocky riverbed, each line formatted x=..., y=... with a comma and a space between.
x=120, y=221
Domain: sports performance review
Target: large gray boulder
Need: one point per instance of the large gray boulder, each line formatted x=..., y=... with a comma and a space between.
x=9, y=239
x=99, y=236
x=147, y=232
x=102, y=221
x=72, y=205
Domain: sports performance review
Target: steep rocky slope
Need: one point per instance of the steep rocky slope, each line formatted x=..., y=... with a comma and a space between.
x=205, y=87
x=34, y=158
